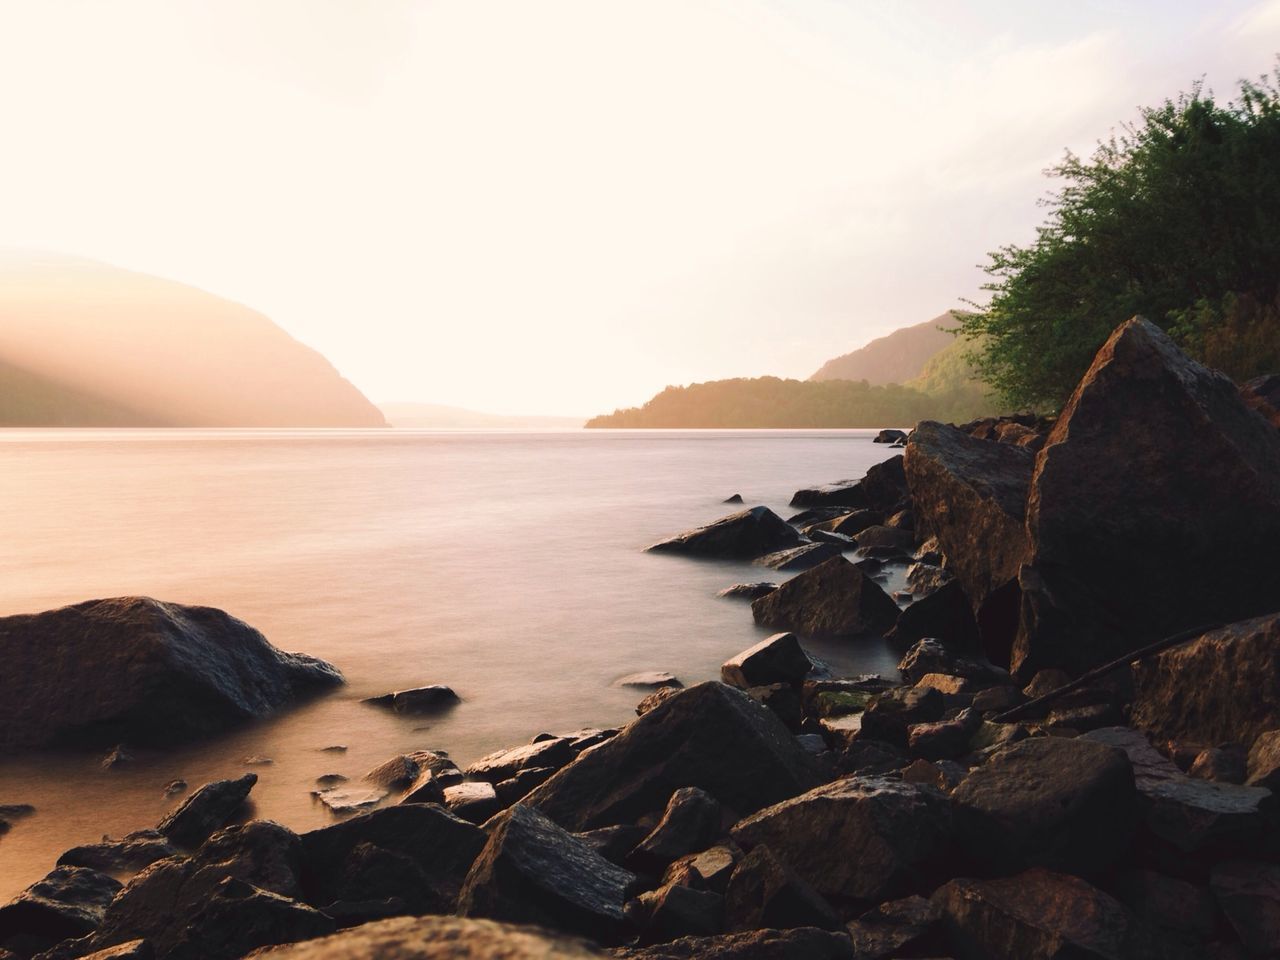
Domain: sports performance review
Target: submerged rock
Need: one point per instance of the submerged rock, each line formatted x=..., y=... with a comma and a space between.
x=142, y=671
x=834, y=599
x=748, y=591
x=739, y=536
x=208, y=809
x=428, y=699
x=800, y=558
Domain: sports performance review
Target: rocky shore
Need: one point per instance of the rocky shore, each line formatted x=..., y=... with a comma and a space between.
x=1077, y=758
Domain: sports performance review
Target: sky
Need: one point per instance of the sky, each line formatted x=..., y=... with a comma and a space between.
x=562, y=206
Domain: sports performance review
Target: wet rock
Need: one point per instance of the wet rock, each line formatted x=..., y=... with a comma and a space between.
x=1248, y=891
x=435, y=938
x=800, y=558
x=1227, y=764
x=334, y=748
x=69, y=902
x=258, y=761
x=127, y=855
x=709, y=736
x=654, y=699
x=890, y=436
x=801, y=943
x=474, y=801
x=532, y=871
x=675, y=911
x=945, y=615
x=345, y=802
x=740, y=536
x=435, y=772
x=925, y=578
x=861, y=838
x=765, y=893
x=748, y=591
x=427, y=699
x=210, y=808
x=893, y=538
x=517, y=787
x=118, y=756
x=1039, y=915
x=112, y=656
x=735, y=498
x=1193, y=692
x=328, y=780
x=649, y=678
x=776, y=659
x=438, y=847
x=882, y=487
x=890, y=715
x=898, y=928
x=504, y=764
x=397, y=773
x=1264, y=762
x=834, y=599
x=806, y=518
x=971, y=495
x=690, y=823
x=846, y=524
x=1195, y=539
x=930, y=655
x=1064, y=804
x=238, y=917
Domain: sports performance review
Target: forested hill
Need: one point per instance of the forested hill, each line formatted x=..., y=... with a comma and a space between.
x=770, y=402
x=895, y=358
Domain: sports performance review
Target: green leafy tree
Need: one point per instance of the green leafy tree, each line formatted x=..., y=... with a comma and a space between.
x=1174, y=217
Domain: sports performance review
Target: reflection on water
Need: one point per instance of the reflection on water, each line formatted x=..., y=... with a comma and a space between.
x=507, y=565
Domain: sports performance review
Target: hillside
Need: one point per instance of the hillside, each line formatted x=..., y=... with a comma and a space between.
x=436, y=415
x=895, y=358
x=86, y=344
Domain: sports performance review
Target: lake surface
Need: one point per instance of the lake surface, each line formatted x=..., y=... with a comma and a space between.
x=506, y=565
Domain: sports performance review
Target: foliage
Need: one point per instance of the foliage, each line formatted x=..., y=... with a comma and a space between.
x=1173, y=218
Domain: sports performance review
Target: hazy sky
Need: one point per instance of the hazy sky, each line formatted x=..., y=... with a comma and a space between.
x=561, y=207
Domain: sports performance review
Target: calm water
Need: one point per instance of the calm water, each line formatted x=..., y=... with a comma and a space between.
x=507, y=565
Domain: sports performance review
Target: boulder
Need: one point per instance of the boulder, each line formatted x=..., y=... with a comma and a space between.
x=924, y=578
x=708, y=870
x=776, y=659
x=890, y=436
x=747, y=591
x=1067, y=805
x=847, y=524
x=436, y=938
x=944, y=614
x=740, y=536
x=930, y=655
x=1264, y=762
x=1262, y=394
x=883, y=487
x=674, y=911
x=911, y=926
x=889, y=715
x=1194, y=539
x=614, y=843
x=69, y=902
x=1227, y=764
x=709, y=736
x=207, y=810
x=474, y=800
x=783, y=700
x=343, y=802
x=426, y=699
x=504, y=764
x=418, y=852
x=658, y=696
x=1042, y=915
x=893, y=538
x=1181, y=908
x=834, y=599
x=141, y=671
x=126, y=855
x=799, y=558
x=1248, y=891
x=733, y=498
x=971, y=495
x=765, y=893
x=860, y=838
x=648, y=679
x=1222, y=687
x=690, y=823
x=943, y=739
x=532, y=871
x=802, y=943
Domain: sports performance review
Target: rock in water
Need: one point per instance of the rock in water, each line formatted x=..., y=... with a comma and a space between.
x=142, y=671
x=889, y=436
x=708, y=736
x=740, y=536
x=972, y=494
x=69, y=902
x=427, y=699
x=776, y=659
x=1138, y=533
x=1221, y=688
x=834, y=599
x=532, y=871
x=434, y=938
x=207, y=810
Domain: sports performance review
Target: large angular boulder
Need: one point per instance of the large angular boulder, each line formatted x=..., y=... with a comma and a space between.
x=971, y=495
x=740, y=536
x=532, y=871
x=419, y=853
x=129, y=854
x=709, y=736
x=690, y=823
x=69, y=902
x=765, y=893
x=140, y=671
x=883, y=487
x=860, y=838
x=1117, y=562
x=1223, y=687
x=207, y=810
x=775, y=659
x=834, y=599
x=945, y=614
x=1068, y=805
x=435, y=938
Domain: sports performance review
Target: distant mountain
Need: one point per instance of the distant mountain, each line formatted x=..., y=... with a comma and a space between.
x=86, y=344
x=439, y=416
x=895, y=358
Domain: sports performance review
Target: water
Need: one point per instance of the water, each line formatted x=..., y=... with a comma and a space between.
x=507, y=565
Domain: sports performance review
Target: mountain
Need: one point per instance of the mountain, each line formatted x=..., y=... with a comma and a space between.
x=87, y=344
x=435, y=415
x=895, y=358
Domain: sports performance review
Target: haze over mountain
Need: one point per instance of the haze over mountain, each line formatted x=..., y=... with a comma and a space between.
x=895, y=358
x=439, y=415
x=87, y=344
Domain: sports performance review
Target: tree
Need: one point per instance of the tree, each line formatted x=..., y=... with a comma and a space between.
x=1175, y=218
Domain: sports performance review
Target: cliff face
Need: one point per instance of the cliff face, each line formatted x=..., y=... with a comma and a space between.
x=86, y=344
x=896, y=358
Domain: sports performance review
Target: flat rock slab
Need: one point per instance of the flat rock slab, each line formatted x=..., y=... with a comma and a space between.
x=649, y=679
